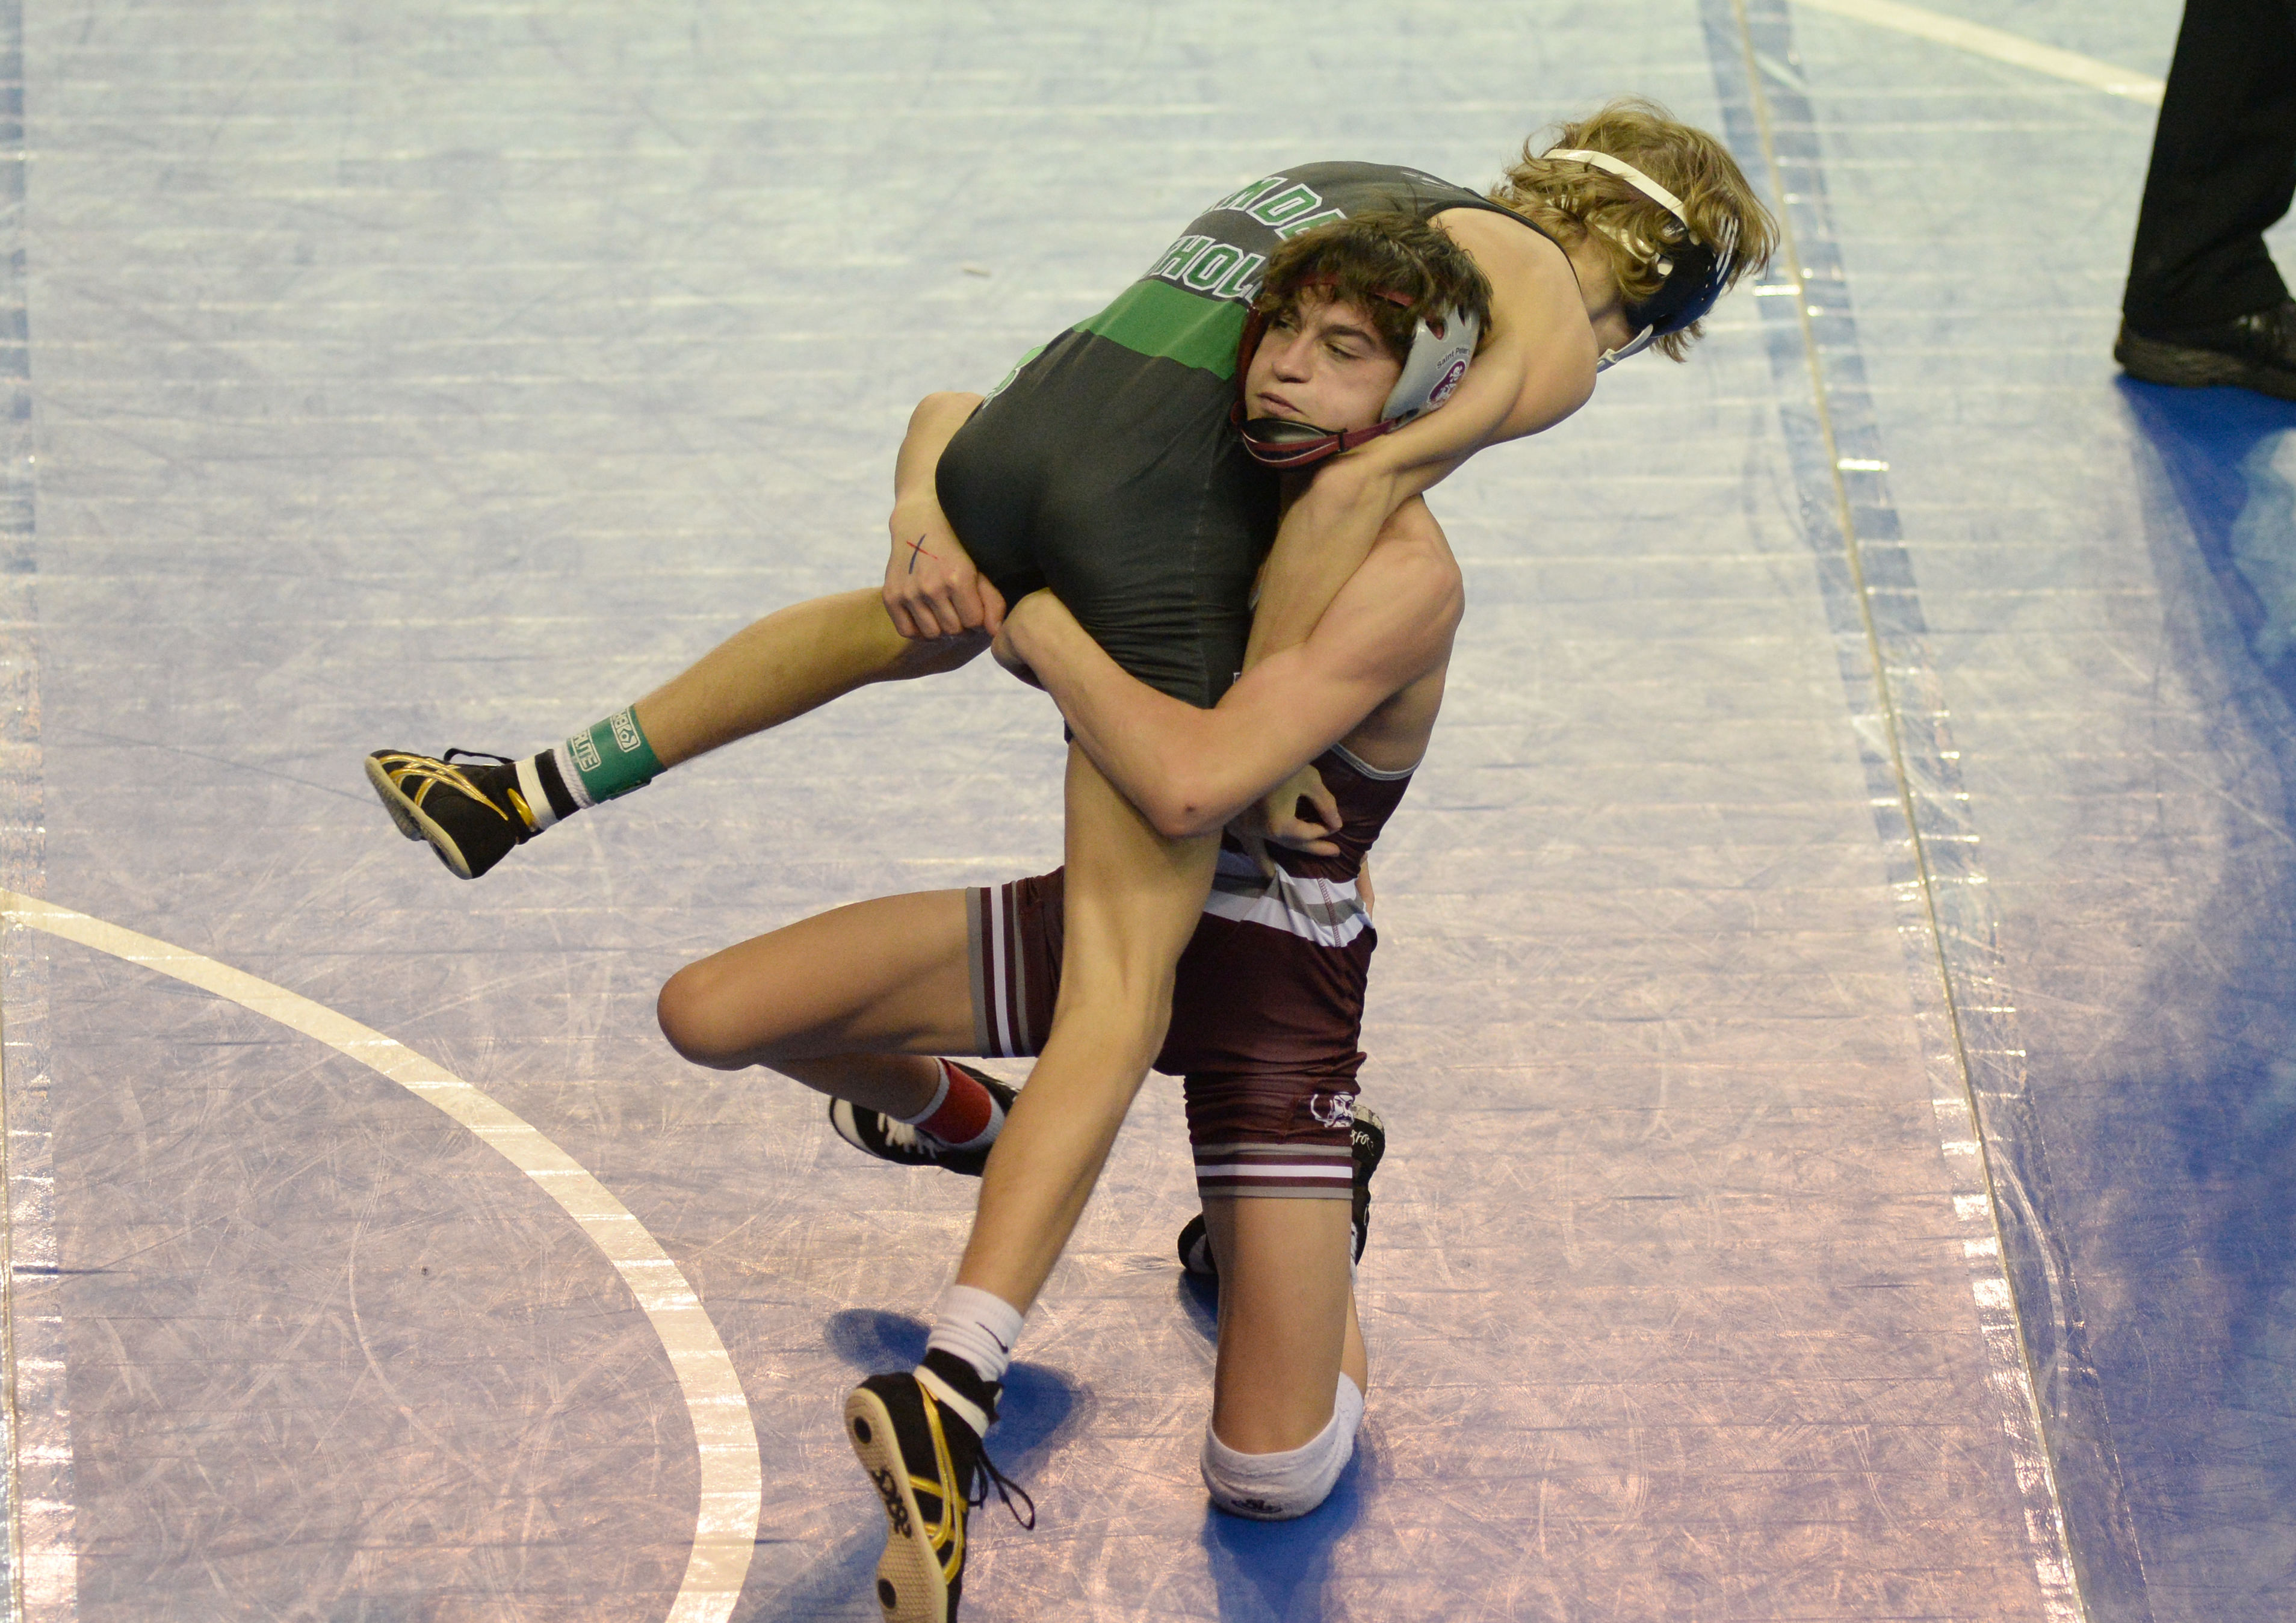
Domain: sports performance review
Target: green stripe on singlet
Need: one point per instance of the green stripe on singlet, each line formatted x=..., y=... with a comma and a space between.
x=1155, y=318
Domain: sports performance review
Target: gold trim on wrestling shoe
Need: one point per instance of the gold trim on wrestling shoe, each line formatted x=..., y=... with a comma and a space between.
x=895, y=1422
x=434, y=800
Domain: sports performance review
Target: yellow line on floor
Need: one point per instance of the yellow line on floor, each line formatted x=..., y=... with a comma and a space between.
x=725, y=1530
x=2011, y=48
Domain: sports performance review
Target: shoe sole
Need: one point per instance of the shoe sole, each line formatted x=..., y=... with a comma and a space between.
x=909, y=1588
x=1195, y=1249
x=412, y=822
x=2184, y=366
x=1362, y=1178
x=1378, y=1125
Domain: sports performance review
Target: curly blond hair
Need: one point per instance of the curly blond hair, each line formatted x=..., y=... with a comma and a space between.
x=1572, y=201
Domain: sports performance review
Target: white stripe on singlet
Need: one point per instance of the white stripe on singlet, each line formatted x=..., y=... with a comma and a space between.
x=1329, y=913
x=999, y=972
x=1364, y=769
x=1338, y=1167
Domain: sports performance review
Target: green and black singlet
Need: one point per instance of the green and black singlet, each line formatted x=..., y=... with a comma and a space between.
x=1106, y=466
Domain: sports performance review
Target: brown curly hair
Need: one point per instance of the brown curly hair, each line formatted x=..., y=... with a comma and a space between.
x=1573, y=199
x=1399, y=269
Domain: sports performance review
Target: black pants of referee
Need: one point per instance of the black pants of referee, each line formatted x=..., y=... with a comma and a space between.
x=2224, y=169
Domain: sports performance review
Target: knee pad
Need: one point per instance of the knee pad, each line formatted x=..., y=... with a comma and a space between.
x=1278, y=1486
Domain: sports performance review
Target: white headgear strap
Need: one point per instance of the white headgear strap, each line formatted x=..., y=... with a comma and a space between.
x=1632, y=176
x=1658, y=195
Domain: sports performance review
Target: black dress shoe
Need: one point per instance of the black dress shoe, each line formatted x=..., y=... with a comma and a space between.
x=2256, y=352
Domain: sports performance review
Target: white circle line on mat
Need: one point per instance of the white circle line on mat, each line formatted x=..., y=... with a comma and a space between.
x=724, y=1437
x=2015, y=49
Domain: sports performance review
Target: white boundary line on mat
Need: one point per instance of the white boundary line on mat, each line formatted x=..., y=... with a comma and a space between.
x=2015, y=49
x=725, y=1530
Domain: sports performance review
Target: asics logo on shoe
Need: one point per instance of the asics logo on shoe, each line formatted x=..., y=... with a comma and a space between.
x=888, y=1489
x=472, y=815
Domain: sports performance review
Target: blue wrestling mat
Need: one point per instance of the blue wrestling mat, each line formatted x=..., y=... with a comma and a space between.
x=1833, y=1020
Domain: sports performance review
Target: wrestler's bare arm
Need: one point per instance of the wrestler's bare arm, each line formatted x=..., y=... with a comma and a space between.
x=931, y=589
x=1535, y=368
x=1190, y=770
x=931, y=618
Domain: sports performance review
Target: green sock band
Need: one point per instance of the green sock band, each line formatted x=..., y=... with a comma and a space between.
x=613, y=758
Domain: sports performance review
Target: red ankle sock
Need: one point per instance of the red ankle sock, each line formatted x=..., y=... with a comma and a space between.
x=964, y=1113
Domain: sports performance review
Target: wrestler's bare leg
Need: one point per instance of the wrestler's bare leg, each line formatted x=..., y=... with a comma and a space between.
x=1132, y=901
x=793, y=660
x=1287, y=1320
x=849, y=1002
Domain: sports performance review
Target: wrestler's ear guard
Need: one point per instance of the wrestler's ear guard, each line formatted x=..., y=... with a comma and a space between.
x=1440, y=352
x=1695, y=273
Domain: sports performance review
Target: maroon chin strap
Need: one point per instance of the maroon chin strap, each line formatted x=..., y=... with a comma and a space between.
x=1281, y=442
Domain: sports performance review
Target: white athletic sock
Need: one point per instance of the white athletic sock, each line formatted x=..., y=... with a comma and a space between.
x=977, y=1327
x=569, y=775
x=1278, y=1486
x=537, y=798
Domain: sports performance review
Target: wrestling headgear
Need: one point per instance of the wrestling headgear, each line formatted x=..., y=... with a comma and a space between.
x=1440, y=351
x=1695, y=272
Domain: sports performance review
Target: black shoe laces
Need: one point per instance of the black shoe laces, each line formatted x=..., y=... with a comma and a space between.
x=985, y=1473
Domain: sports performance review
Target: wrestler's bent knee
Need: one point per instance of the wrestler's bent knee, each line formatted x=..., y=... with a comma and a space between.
x=692, y=1011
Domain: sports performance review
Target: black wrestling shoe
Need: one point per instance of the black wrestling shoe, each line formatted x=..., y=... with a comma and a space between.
x=916, y=1436
x=473, y=816
x=2256, y=352
x=1196, y=1250
x=1366, y=1143
x=875, y=1133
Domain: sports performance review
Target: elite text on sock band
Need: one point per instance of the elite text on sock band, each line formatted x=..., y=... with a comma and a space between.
x=612, y=758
